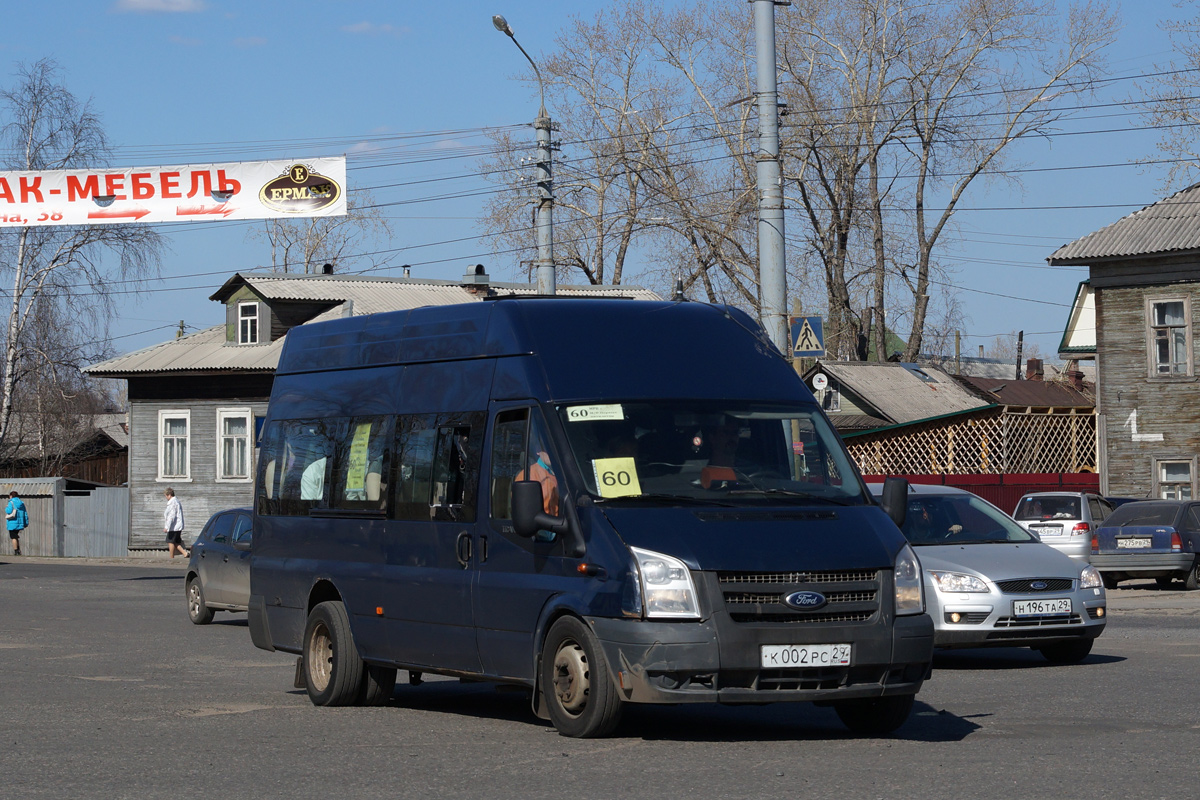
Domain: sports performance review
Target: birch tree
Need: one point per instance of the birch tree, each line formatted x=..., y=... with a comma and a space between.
x=67, y=273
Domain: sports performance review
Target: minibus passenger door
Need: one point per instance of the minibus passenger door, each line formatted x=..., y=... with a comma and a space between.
x=515, y=576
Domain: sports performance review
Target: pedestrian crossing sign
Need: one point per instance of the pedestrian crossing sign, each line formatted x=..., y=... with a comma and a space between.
x=808, y=337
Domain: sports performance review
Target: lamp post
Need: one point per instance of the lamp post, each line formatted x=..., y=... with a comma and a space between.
x=545, y=202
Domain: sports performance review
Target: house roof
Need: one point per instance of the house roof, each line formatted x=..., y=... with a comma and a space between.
x=86, y=433
x=901, y=393
x=207, y=352
x=1168, y=226
x=1036, y=394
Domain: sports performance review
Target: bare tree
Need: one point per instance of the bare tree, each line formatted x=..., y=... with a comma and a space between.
x=1168, y=100
x=306, y=245
x=64, y=274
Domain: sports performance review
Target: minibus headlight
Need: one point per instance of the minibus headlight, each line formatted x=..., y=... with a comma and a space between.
x=910, y=595
x=667, y=588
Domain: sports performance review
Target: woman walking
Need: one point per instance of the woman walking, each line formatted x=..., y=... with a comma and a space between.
x=173, y=524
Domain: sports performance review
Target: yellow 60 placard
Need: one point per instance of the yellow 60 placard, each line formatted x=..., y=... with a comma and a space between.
x=616, y=477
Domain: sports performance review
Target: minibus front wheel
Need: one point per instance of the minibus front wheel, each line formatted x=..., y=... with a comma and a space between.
x=577, y=688
x=333, y=670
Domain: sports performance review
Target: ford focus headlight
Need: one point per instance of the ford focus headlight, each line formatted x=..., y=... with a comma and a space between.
x=910, y=594
x=958, y=582
x=1090, y=578
x=667, y=588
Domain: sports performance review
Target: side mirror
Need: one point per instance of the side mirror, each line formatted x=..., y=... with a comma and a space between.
x=528, y=512
x=242, y=544
x=895, y=500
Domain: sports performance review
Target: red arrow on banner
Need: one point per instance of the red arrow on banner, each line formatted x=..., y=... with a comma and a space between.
x=113, y=213
x=191, y=211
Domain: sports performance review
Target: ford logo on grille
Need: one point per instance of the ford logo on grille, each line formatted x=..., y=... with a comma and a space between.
x=1038, y=585
x=805, y=601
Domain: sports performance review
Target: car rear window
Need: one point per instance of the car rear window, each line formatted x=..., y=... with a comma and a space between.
x=1048, y=508
x=1142, y=514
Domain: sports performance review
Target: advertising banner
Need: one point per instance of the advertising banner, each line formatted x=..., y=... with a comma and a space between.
x=314, y=187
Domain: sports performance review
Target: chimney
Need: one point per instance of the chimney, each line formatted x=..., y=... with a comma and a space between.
x=1034, y=370
x=476, y=281
x=1075, y=378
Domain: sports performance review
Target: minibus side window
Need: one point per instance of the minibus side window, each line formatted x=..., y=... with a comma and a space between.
x=267, y=490
x=456, y=473
x=361, y=467
x=520, y=452
x=308, y=450
x=416, y=441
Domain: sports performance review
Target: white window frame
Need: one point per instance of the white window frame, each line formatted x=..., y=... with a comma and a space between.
x=160, y=440
x=1152, y=349
x=233, y=413
x=242, y=337
x=1159, y=483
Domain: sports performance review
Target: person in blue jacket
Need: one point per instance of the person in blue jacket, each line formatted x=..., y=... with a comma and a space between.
x=18, y=520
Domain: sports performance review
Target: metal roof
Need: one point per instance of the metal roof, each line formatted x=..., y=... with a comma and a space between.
x=1170, y=225
x=208, y=352
x=1035, y=394
x=902, y=392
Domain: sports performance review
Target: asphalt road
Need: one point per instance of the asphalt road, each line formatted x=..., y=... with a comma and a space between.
x=106, y=690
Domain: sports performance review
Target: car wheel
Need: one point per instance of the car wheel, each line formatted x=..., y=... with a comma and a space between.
x=198, y=613
x=576, y=686
x=1067, y=652
x=874, y=716
x=1164, y=581
x=1191, y=581
x=333, y=670
x=377, y=686
x=1110, y=580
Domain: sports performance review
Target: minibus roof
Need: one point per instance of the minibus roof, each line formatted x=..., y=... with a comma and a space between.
x=588, y=348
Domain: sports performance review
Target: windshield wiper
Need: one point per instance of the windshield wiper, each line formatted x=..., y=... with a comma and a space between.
x=682, y=499
x=794, y=493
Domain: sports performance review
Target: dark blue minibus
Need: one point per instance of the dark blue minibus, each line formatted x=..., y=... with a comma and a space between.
x=604, y=501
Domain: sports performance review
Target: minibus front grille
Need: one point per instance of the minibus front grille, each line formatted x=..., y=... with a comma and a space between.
x=850, y=596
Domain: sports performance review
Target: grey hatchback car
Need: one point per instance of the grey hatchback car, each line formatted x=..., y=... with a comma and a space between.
x=218, y=574
x=991, y=583
x=1064, y=520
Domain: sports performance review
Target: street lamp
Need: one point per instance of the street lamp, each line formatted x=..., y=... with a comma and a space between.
x=545, y=182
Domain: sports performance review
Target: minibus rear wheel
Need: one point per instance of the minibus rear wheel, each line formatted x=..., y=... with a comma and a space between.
x=577, y=688
x=333, y=670
x=874, y=716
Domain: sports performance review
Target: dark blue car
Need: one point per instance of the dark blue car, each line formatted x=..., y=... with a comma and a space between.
x=601, y=501
x=1157, y=539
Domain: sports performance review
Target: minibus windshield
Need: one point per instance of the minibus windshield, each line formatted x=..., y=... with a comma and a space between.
x=708, y=450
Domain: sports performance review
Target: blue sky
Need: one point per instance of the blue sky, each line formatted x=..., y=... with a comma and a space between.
x=198, y=81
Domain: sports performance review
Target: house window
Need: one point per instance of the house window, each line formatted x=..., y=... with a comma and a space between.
x=1170, y=336
x=233, y=444
x=829, y=399
x=247, y=323
x=1175, y=480
x=174, y=431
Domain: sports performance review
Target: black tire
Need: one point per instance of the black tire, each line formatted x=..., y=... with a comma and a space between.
x=1067, y=652
x=1164, y=581
x=1191, y=581
x=377, y=686
x=1110, y=580
x=874, y=716
x=576, y=686
x=333, y=670
x=198, y=613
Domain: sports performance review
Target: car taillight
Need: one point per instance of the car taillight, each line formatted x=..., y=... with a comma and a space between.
x=1095, y=543
x=1176, y=543
x=1080, y=529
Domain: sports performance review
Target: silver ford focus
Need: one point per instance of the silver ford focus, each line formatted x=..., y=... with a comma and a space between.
x=990, y=583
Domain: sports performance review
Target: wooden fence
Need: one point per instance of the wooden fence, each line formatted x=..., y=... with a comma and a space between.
x=70, y=523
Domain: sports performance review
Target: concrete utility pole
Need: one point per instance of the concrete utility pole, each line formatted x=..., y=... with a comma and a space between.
x=546, y=278
x=772, y=293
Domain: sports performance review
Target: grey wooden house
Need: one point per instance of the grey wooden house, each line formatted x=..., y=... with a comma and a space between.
x=1144, y=292
x=196, y=403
